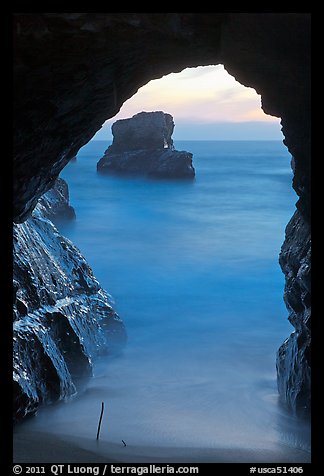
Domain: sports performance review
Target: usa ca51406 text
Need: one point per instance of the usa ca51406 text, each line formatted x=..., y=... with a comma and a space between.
x=278, y=470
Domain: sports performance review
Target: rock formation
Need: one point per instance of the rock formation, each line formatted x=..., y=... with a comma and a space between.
x=294, y=356
x=62, y=318
x=143, y=145
x=72, y=71
x=55, y=203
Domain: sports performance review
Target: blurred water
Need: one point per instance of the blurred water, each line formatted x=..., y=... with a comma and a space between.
x=193, y=268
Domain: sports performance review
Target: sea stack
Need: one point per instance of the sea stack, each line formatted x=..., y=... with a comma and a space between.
x=143, y=145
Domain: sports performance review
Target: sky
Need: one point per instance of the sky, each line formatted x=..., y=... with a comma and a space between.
x=206, y=104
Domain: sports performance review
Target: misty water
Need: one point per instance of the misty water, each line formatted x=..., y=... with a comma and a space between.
x=193, y=271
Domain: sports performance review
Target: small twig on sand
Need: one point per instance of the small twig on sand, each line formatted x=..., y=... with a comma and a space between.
x=124, y=442
x=99, y=424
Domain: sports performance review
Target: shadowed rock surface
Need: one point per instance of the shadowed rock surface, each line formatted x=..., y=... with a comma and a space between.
x=142, y=145
x=55, y=203
x=145, y=130
x=63, y=319
x=294, y=356
x=72, y=71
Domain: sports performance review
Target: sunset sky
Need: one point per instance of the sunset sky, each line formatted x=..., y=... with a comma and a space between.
x=206, y=103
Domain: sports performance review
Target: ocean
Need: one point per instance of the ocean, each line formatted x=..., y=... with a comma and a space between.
x=193, y=271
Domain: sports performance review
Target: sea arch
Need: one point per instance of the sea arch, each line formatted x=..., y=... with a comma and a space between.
x=74, y=70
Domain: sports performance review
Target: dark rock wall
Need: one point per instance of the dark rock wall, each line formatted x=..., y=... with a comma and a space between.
x=294, y=356
x=72, y=71
x=63, y=319
x=271, y=53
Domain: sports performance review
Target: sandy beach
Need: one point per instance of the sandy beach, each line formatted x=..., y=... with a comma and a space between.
x=41, y=447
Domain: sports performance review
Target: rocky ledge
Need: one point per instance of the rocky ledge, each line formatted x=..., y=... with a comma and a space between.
x=63, y=318
x=143, y=145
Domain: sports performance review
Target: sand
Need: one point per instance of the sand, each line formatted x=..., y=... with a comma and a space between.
x=42, y=447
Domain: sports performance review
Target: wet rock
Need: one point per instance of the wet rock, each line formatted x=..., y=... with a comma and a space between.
x=294, y=356
x=55, y=205
x=63, y=319
x=142, y=145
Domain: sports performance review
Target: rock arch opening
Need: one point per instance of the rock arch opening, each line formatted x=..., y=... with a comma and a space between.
x=206, y=102
x=66, y=89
